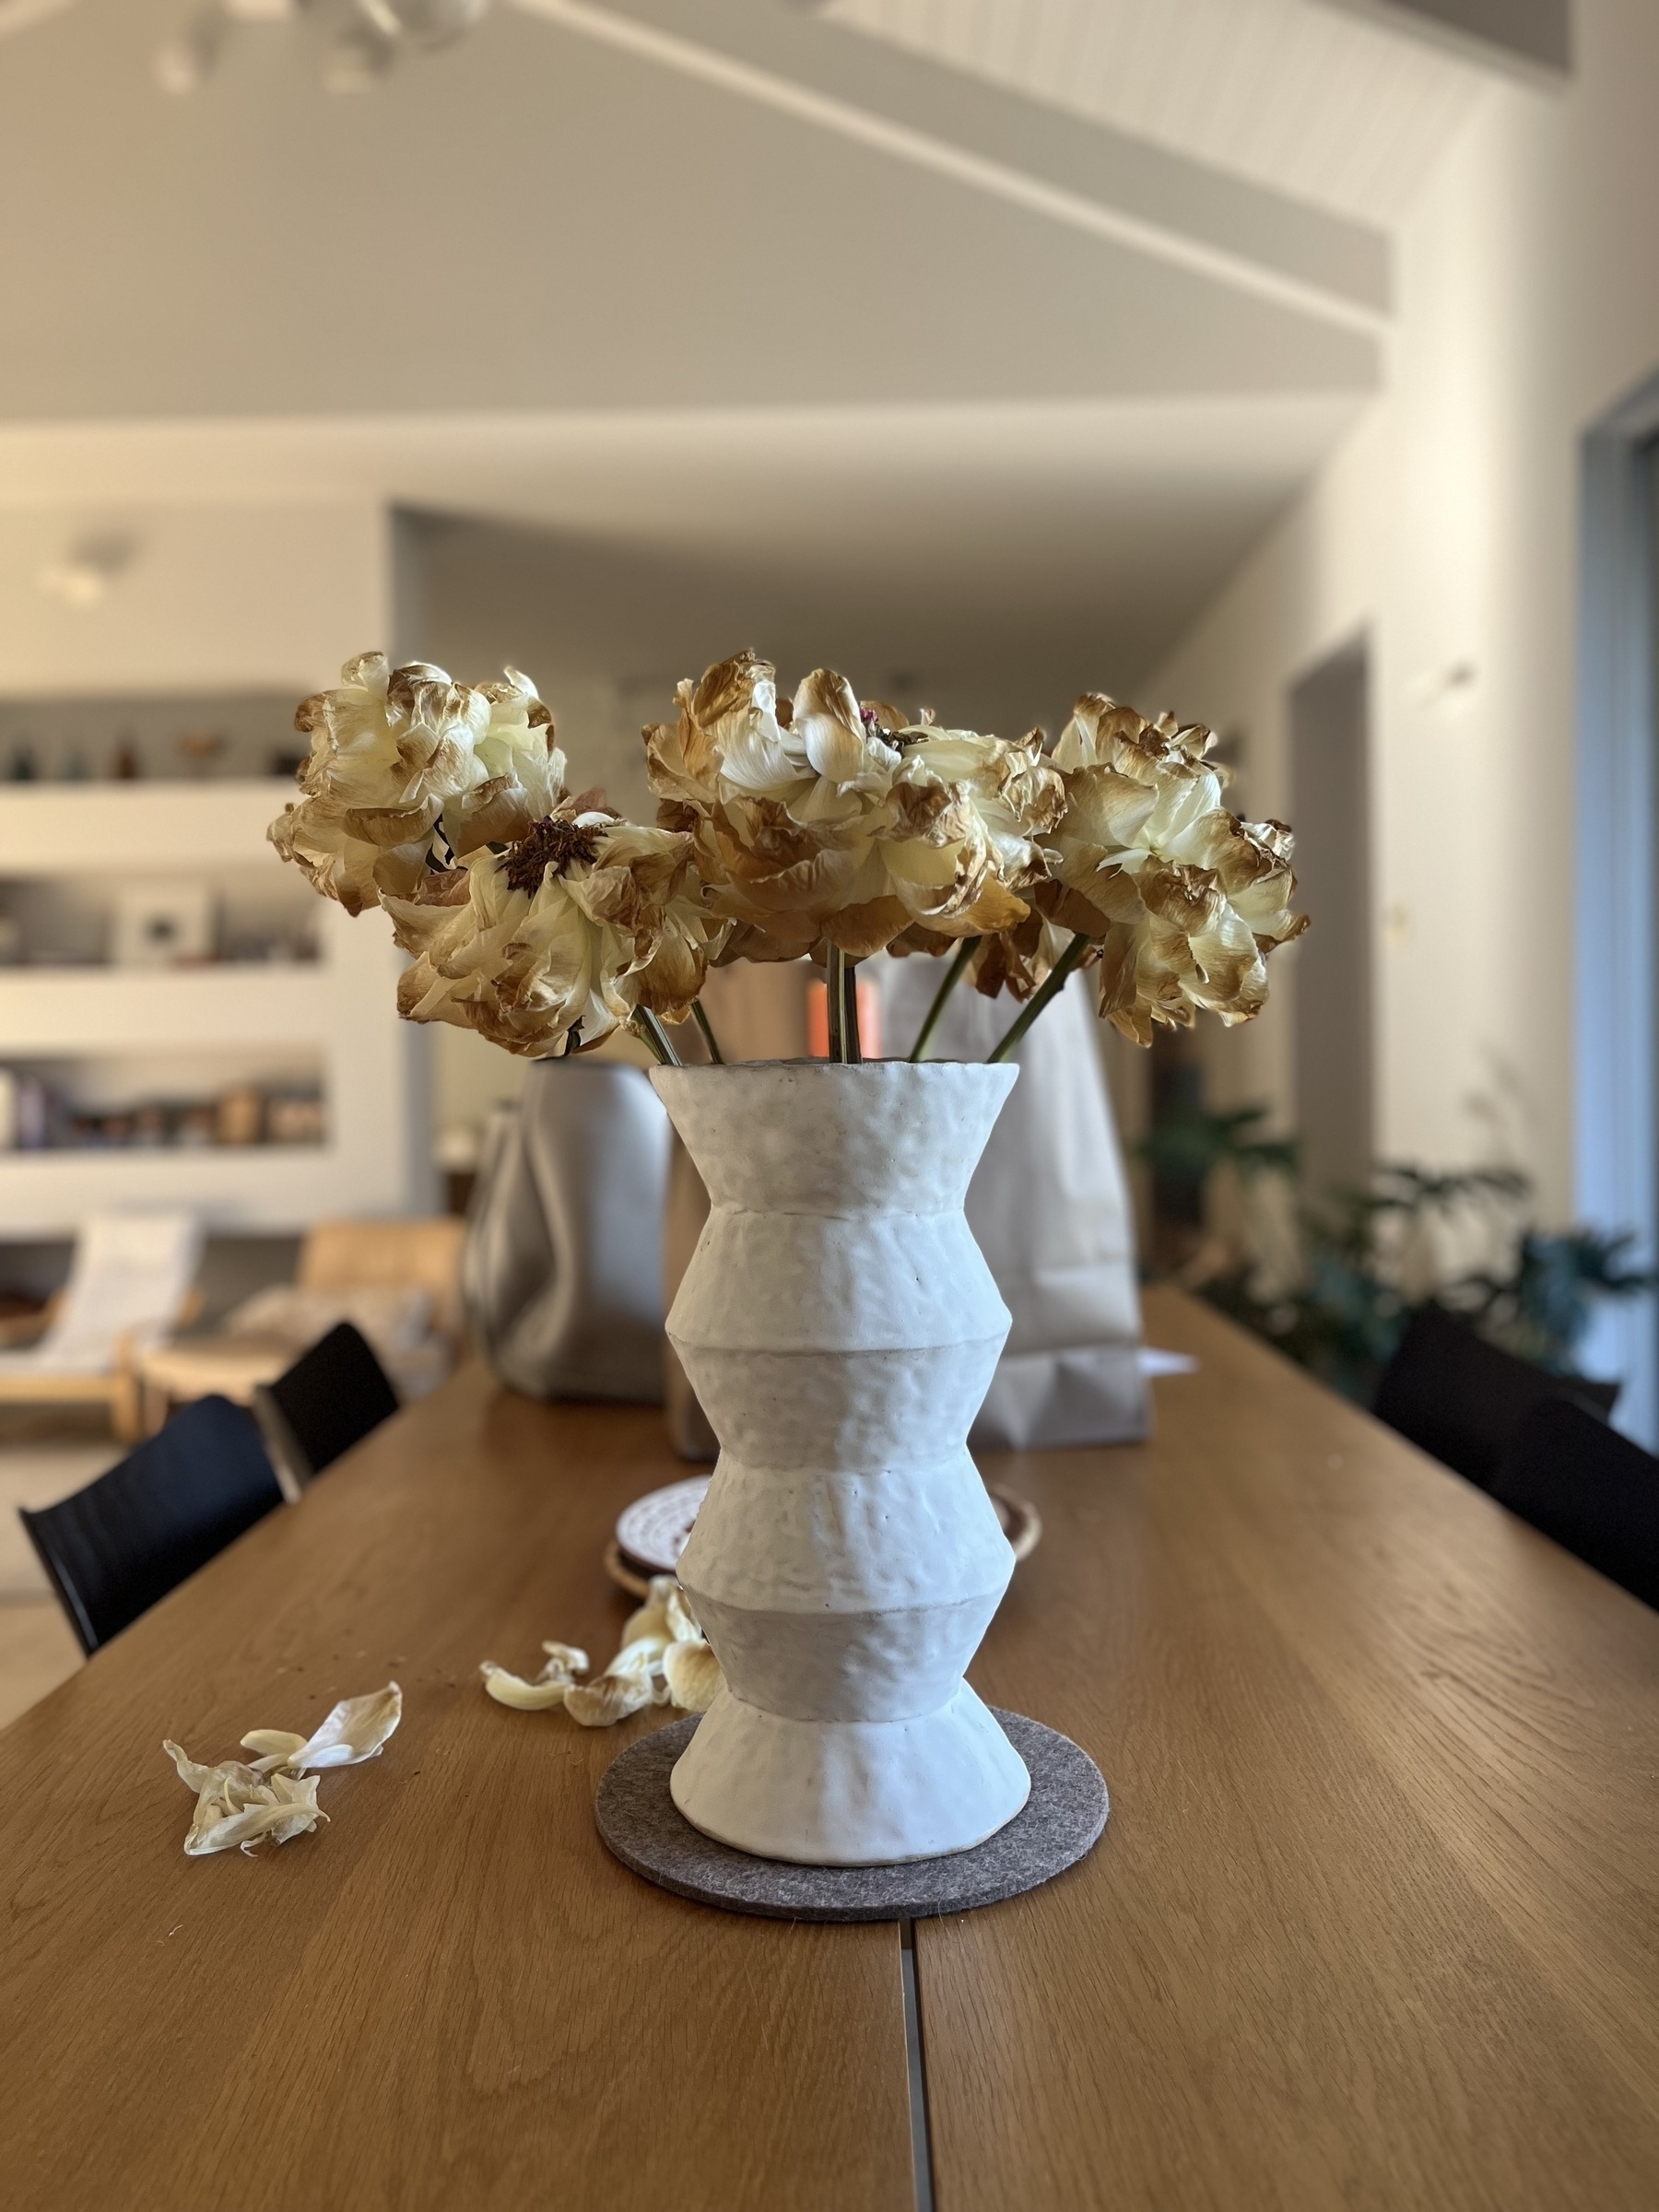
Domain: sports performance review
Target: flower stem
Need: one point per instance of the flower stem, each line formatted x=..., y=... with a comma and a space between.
x=852, y=1045
x=835, y=999
x=646, y=1025
x=953, y=975
x=1052, y=989
x=707, y=1027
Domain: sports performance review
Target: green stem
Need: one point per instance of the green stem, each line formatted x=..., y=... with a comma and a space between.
x=646, y=1025
x=1052, y=989
x=953, y=975
x=852, y=1045
x=707, y=1027
x=835, y=999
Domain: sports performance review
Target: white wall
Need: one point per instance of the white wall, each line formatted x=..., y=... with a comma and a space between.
x=1446, y=527
x=243, y=598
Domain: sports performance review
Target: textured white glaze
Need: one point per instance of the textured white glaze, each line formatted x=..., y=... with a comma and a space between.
x=840, y=1327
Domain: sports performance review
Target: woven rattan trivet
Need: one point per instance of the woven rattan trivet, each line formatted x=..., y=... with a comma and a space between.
x=1057, y=1826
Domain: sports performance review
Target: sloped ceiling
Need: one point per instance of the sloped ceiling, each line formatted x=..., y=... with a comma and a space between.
x=1329, y=108
x=819, y=317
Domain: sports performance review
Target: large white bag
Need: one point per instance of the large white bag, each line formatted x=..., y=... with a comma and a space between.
x=1050, y=1208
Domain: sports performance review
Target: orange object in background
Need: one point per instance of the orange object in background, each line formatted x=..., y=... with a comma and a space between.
x=818, y=1020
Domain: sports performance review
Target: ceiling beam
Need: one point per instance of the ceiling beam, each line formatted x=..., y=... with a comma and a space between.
x=1532, y=38
x=1082, y=174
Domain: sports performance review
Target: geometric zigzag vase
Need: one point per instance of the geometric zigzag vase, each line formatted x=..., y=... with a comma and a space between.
x=841, y=1329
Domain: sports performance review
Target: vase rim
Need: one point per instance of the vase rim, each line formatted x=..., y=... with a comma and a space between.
x=836, y=1068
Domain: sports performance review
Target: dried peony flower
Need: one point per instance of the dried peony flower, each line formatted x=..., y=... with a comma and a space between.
x=969, y=812
x=406, y=767
x=274, y=1798
x=663, y=1657
x=389, y=748
x=1184, y=900
x=558, y=939
x=822, y=820
x=524, y=770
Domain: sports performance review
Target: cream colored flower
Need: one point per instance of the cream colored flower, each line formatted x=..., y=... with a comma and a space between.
x=1184, y=900
x=967, y=815
x=561, y=937
x=389, y=748
x=523, y=770
x=826, y=820
x=405, y=764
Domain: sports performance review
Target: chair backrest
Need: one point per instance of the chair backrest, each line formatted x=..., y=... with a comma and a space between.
x=329, y=1400
x=1462, y=1399
x=424, y=1255
x=115, y=1548
x=1590, y=1489
x=130, y=1277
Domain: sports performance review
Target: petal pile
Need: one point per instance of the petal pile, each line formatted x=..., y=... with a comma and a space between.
x=273, y=1798
x=664, y=1659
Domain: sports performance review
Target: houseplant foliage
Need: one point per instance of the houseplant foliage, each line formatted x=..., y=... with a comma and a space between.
x=818, y=824
x=838, y=1320
x=1362, y=1260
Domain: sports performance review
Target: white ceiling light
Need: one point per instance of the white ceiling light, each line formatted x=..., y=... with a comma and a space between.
x=83, y=576
x=360, y=40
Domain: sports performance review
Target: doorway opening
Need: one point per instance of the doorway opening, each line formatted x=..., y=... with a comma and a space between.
x=1330, y=717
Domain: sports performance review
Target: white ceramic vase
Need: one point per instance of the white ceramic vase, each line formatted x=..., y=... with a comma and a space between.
x=841, y=1328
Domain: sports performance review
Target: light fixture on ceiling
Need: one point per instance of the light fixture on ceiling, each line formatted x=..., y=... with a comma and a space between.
x=360, y=39
x=82, y=576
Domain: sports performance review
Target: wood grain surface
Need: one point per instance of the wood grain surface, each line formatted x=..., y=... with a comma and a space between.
x=451, y=1996
x=1375, y=1922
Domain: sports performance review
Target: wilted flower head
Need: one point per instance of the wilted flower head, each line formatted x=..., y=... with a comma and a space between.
x=822, y=819
x=402, y=760
x=559, y=937
x=1184, y=900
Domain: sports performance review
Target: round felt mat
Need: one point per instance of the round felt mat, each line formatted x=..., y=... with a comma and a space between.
x=1058, y=1824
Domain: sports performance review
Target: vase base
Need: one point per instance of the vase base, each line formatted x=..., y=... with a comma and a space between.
x=849, y=1792
x=1058, y=1824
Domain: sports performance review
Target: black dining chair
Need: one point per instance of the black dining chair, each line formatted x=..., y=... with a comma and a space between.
x=329, y=1400
x=1461, y=1399
x=118, y=1546
x=1591, y=1490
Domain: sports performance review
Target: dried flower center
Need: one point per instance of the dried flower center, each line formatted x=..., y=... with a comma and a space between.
x=553, y=843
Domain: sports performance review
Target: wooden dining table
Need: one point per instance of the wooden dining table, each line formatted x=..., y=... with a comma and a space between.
x=1374, y=1922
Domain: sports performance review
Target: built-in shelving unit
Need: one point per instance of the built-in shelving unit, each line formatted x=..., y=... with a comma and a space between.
x=109, y=1035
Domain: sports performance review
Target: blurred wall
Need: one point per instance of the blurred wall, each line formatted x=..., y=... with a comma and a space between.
x=199, y=596
x=1446, y=528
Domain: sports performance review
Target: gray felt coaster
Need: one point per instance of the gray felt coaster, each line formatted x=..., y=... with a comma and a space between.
x=1058, y=1823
